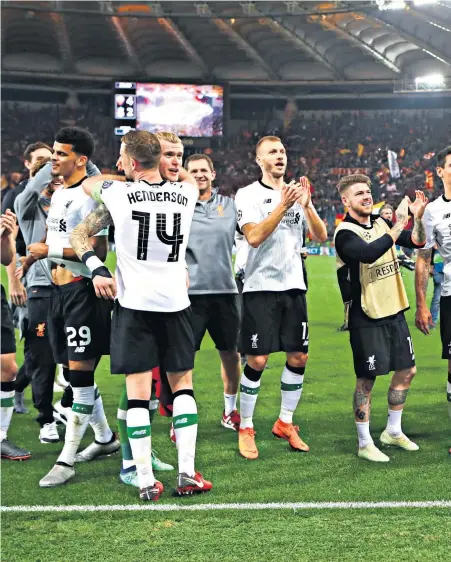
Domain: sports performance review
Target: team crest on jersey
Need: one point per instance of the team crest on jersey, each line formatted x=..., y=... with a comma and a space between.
x=40, y=330
x=220, y=210
x=106, y=184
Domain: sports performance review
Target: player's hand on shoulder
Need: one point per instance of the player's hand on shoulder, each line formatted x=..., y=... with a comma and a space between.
x=105, y=287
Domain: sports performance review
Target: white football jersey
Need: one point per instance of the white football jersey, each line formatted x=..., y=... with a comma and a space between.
x=437, y=221
x=69, y=206
x=152, y=224
x=276, y=265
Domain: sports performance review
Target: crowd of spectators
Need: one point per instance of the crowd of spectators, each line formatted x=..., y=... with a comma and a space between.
x=321, y=146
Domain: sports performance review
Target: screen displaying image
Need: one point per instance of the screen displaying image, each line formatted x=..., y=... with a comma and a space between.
x=188, y=110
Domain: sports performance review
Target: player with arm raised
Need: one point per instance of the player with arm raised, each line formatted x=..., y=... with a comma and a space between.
x=437, y=222
x=270, y=215
x=78, y=323
x=370, y=281
x=152, y=317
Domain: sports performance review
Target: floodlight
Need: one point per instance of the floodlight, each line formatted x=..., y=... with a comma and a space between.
x=430, y=81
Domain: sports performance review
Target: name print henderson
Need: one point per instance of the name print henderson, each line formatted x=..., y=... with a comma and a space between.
x=159, y=196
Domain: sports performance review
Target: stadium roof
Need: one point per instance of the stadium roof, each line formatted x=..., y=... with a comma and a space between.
x=254, y=44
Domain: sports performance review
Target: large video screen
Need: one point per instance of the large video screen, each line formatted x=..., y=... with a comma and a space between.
x=188, y=110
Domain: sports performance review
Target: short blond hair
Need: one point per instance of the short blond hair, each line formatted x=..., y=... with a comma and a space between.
x=169, y=137
x=264, y=139
x=144, y=147
x=349, y=181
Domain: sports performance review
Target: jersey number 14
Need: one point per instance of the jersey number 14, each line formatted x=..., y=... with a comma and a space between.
x=174, y=240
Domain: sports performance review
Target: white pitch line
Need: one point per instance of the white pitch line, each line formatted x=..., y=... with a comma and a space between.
x=224, y=506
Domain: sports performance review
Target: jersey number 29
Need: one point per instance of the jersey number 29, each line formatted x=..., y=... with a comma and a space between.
x=174, y=240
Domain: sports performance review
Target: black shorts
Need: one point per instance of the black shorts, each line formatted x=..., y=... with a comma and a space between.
x=274, y=321
x=377, y=350
x=8, y=341
x=79, y=323
x=220, y=315
x=38, y=333
x=142, y=340
x=445, y=326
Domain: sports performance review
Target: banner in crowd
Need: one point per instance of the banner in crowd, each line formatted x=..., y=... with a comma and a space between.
x=429, y=180
x=349, y=171
x=393, y=164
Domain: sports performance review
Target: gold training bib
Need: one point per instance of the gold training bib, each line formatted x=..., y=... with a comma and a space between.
x=383, y=293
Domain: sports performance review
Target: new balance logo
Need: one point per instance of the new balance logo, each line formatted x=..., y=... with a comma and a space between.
x=254, y=340
x=79, y=349
x=447, y=216
x=306, y=342
x=267, y=201
x=371, y=363
x=139, y=432
x=180, y=421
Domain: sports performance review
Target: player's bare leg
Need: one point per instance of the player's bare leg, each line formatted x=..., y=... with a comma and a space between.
x=249, y=388
x=230, y=374
x=185, y=420
x=397, y=395
x=362, y=406
x=291, y=385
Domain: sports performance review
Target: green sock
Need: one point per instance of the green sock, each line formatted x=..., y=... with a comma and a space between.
x=127, y=456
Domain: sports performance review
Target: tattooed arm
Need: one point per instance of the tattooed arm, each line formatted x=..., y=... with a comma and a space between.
x=82, y=238
x=418, y=232
x=423, y=318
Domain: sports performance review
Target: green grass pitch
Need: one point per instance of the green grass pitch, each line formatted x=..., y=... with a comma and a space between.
x=330, y=472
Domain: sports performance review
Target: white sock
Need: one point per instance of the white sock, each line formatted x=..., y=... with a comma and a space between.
x=6, y=411
x=185, y=420
x=77, y=422
x=138, y=429
x=99, y=423
x=248, y=399
x=363, y=432
x=229, y=403
x=448, y=396
x=291, y=390
x=394, y=422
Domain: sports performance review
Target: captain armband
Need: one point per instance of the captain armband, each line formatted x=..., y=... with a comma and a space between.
x=95, y=265
x=96, y=191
